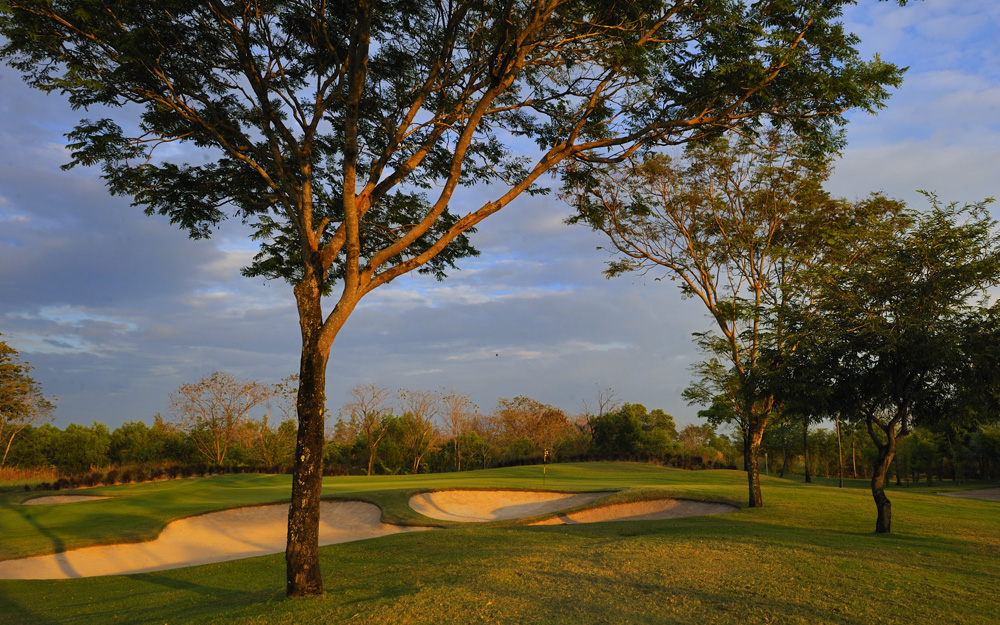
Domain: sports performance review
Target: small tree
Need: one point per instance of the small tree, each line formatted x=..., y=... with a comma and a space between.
x=275, y=445
x=214, y=410
x=523, y=418
x=900, y=328
x=458, y=414
x=420, y=435
x=369, y=412
x=605, y=402
x=482, y=439
x=22, y=403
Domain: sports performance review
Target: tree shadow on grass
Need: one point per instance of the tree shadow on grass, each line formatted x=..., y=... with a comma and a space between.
x=179, y=596
x=58, y=545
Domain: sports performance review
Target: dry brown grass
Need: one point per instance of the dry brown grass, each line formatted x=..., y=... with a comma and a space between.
x=15, y=476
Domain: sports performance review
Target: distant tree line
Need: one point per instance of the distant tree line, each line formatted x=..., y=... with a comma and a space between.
x=221, y=423
x=926, y=456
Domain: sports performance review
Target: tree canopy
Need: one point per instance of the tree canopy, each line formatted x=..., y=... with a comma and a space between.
x=22, y=403
x=735, y=222
x=904, y=331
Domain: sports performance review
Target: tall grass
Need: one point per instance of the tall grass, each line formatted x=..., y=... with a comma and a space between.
x=15, y=477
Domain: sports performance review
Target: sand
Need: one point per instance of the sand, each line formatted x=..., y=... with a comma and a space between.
x=260, y=530
x=641, y=511
x=213, y=537
x=470, y=506
x=986, y=494
x=37, y=501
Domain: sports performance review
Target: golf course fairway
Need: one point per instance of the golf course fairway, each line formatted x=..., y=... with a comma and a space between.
x=808, y=556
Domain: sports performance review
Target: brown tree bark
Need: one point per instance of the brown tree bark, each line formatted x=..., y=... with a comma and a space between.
x=301, y=553
x=754, y=437
x=886, y=454
x=883, y=523
x=302, y=571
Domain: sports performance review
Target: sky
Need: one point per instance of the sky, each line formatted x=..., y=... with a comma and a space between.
x=115, y=310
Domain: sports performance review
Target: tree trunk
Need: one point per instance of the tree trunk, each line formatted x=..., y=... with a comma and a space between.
x=754, y=437
x=840, y=454
x=805, y=448
x=898, y=480
x=746, y=449
x=302, y=572
x=784, y=452
x=883, y=524
x=886, y=455
x=854, y=458
x=746, y=453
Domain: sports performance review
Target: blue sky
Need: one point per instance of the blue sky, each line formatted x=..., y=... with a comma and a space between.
x=115, y=310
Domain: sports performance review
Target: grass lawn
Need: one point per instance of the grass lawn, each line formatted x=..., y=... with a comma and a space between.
x=808, y=556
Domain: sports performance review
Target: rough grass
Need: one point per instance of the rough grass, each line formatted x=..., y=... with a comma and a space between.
x=808, y=556
x=13, y=478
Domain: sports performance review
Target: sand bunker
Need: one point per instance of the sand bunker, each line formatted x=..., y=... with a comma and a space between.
x=495, y=505
x=641, y=511
x=213, y=537
x=37, y=501
x=986, y=494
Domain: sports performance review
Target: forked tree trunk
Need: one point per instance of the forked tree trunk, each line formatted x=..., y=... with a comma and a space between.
x=886, y=454
x=883, y=523
x=302, y=571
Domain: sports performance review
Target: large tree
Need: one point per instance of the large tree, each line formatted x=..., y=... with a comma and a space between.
x=340, y=130
x=901, y=332
x=735, y=223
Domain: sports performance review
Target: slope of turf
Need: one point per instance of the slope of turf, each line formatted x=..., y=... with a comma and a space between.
x=808, y=556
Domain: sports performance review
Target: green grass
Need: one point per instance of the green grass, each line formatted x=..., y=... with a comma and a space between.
x=808, y=556
x=938, y=486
